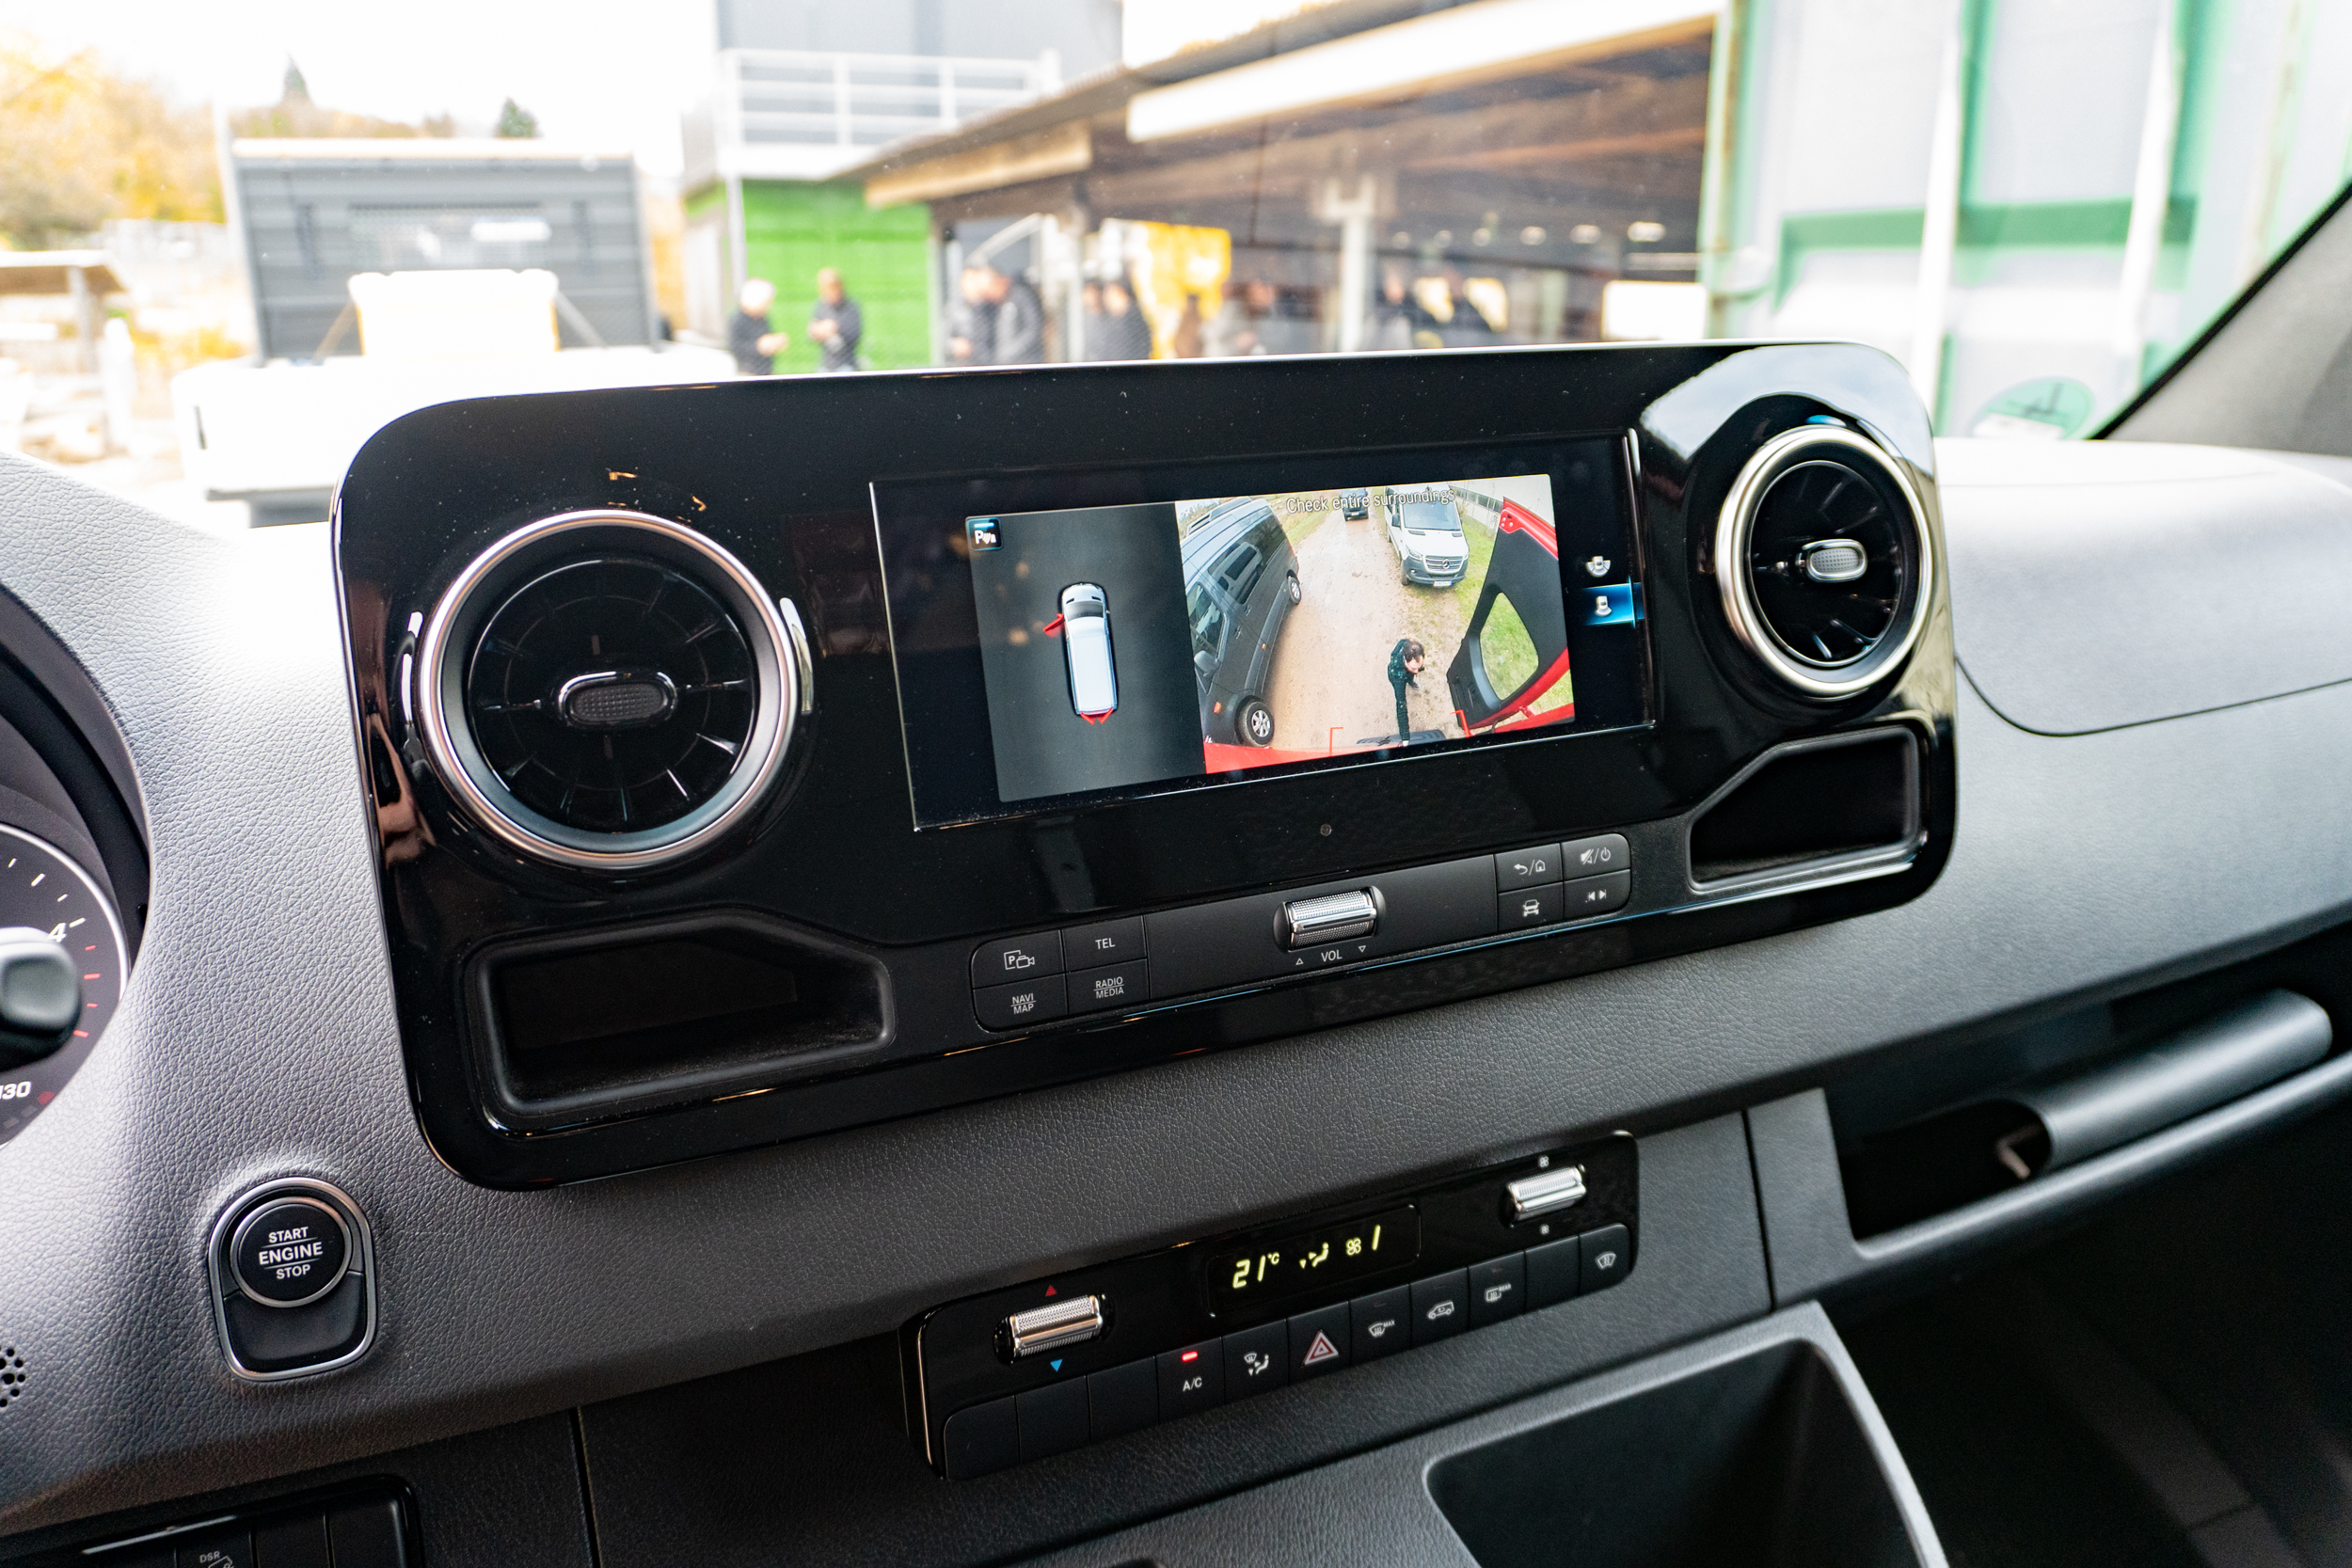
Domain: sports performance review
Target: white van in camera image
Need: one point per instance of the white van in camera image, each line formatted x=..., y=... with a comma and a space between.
x=1085, y=640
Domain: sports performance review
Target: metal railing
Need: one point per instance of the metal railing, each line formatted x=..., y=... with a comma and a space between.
x=790, y=114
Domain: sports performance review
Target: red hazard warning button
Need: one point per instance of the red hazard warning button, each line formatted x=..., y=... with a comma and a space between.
x=1318, y=1341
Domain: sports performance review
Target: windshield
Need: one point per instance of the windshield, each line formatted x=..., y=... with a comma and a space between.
x=242, y=238
x=1435, y=516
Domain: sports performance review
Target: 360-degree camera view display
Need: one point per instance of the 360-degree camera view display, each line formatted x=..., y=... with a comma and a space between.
x=1126, y=644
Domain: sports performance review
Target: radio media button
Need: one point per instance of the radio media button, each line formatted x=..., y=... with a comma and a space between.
x=1590, y=857
x=1440, y=1307
x=1497, y=1289
x=1319, y=1342
x=1527, y=867
x=1192, y=1378
x=1590, y=895
x=1257, y=1360
x=1108, y=942
x=1018, y=1006
x=1381, y=1323
x=1015, y=959
x=1095, y=990
x=1530, y=906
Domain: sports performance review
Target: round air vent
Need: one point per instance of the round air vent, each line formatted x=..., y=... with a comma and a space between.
x=1823, y=558
x=607, y=690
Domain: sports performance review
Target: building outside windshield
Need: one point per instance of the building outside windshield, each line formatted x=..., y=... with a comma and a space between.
x=243, y=236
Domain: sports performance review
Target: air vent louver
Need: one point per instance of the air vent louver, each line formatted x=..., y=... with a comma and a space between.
x=612, y=694
x=1824, y=561
x=607, y=691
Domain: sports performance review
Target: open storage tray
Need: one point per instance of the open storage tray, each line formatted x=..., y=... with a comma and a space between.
x=1759, y=1446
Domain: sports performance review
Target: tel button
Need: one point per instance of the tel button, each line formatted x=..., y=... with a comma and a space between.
x=290, y=1251
x=1110, y=942
x=1016, y=958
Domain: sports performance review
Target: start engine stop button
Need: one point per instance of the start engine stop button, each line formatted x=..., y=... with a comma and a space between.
x=288, y=1251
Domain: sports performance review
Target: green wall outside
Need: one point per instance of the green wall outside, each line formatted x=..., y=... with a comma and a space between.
x=790, y=230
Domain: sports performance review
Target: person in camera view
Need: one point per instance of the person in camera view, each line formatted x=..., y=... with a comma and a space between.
x=836, y=323
x=1404, y=662
x=751, y=338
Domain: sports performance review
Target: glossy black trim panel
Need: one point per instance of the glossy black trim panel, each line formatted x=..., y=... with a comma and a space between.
x=780, y=472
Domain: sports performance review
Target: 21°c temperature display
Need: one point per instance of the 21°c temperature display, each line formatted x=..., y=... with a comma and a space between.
x=1287, y=1265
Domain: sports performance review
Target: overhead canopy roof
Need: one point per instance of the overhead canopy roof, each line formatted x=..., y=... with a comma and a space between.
x=50, y=271
x=1572, y=110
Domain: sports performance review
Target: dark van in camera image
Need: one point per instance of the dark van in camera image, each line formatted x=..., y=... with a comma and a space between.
x=1241, y=581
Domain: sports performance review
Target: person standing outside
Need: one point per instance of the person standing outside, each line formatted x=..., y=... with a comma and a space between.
x=1117, y=331
x=972, y=319
x=751, y=337
x=835, y=324
x=1405, y=664
x=1019, y=320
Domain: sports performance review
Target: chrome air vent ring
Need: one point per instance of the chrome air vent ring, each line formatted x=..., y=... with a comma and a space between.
x=607, y=691
x=1825, y=561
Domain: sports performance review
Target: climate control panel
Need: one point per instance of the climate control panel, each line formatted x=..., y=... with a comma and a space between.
x=1045, y=1367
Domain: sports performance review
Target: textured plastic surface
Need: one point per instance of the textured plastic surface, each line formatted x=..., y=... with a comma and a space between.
x=1378, y=1509
x=2096, y=584
x=778, y=1489
x=1810, y=1238
x=2194, y=1071
x=222, y=658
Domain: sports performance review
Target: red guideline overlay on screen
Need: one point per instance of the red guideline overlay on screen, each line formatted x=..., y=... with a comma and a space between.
x=1331, y=621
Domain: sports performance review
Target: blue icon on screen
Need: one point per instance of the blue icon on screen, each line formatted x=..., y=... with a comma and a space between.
x=1613, y=604
x=983, y=531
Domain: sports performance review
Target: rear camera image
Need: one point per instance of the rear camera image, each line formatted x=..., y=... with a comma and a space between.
x=1125, y=644
x=1326, y=622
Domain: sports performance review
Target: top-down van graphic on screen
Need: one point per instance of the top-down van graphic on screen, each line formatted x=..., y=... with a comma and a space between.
x=1085, y=640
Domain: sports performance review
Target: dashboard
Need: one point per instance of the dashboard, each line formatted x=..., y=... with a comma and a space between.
x=793, y=971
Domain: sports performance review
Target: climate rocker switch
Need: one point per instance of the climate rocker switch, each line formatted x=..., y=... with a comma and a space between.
x=294, y=1281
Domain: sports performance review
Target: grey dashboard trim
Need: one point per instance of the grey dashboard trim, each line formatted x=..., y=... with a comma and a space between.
x=1810, y=1241
x=1376, y=1508
x=258, y=1035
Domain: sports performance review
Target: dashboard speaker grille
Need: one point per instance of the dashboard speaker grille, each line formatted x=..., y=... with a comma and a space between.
x=612, y=694
x=607, y=691
x=1824, y=558
x=12, y=1375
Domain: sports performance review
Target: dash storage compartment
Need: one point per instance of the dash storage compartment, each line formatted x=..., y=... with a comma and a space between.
x=1762, y=1460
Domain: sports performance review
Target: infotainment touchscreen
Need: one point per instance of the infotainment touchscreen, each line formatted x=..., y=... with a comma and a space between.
x=1061, y=638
